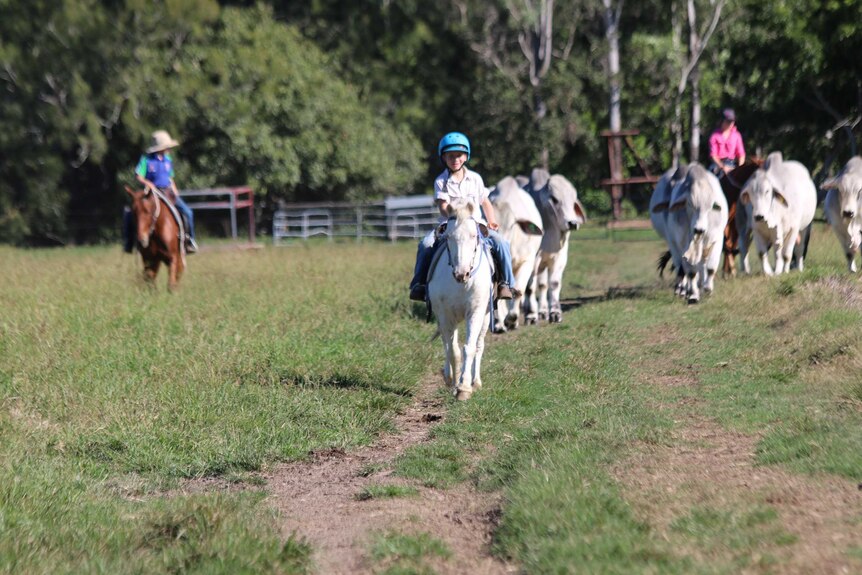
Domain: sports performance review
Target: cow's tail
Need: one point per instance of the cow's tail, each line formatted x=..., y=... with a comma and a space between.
x=662, y=262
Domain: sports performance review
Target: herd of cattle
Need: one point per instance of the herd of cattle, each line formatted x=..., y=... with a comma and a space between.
x=698, y=214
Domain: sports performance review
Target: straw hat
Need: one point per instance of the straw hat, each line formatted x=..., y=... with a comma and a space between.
x=161, y=141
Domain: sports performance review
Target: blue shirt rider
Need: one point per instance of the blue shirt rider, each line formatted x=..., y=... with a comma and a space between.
x=457, y=182
x=155, y=169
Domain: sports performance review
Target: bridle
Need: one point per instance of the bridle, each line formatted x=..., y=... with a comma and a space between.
x=152, y=194
x=477, y=251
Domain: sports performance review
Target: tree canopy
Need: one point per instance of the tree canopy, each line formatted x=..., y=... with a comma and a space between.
x=345, y=100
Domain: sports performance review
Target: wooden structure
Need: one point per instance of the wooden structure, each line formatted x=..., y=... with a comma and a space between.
x=232, y=199
x=616, y=183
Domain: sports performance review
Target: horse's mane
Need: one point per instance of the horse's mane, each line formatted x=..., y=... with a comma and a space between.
x=461, y=210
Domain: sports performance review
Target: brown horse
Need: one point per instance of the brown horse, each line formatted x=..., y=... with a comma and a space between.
x=731, y=184
x=158, y=235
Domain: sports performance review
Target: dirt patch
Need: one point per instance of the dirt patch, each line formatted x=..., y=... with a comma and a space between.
x=709, y=466
x=317, y=501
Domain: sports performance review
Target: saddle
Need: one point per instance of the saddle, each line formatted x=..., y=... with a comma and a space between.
x=182, y=224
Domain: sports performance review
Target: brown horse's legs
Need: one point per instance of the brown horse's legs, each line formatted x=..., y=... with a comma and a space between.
x=151, y=269
x=731, y=243
x=174, y=274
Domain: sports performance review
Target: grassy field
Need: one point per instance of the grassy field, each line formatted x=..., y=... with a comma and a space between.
x=113, y=394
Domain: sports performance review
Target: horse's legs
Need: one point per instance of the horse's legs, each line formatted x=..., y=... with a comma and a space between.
x=475, y=320
x=151, y=269
x=449, y=336
x=172, y=274
x=480, y=349
x=731, y=243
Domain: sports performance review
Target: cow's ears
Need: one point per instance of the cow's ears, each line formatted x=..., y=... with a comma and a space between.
x=745, y=197
x=780, y=197
x=530, y=228
x=580, y=212
x=660, y=207
x=831, y=183
x=484, y=230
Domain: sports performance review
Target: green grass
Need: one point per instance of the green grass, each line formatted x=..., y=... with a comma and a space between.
x=387, y=491
x=112, y=395
x=564, y=403
x=407, y=554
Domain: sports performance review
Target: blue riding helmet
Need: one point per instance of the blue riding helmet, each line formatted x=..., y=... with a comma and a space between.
x=454, y=141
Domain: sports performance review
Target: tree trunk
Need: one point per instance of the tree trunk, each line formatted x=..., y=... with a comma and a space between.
x=676, y=123
x=612, y=34
x=694, y=50
x=694, y=144
x=615, y=152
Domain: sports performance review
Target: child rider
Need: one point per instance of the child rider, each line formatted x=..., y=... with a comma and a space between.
x=155, y=170
x=457, y=184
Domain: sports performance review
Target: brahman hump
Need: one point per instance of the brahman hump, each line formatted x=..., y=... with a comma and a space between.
x=561, y=211
x=521, y=225
x=781, y=199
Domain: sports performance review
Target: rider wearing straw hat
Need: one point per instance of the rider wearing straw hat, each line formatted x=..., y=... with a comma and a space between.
x=155, y=169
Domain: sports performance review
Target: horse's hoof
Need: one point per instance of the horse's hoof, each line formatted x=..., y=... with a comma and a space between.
x=500, y=328
x=529, y=321
x=693, y=300
x=543, y=315
x=556, y=317
x=462, y=395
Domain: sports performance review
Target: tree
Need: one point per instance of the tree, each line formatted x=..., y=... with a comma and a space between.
x=690, y=76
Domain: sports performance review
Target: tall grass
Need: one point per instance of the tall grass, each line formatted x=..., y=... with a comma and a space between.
x=112, y=392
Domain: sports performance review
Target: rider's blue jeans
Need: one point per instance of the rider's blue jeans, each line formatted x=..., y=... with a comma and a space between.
x=499, y=251
x=187, y=212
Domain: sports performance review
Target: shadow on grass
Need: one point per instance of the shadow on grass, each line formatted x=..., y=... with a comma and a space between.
x=613, y=293
x=339, y=380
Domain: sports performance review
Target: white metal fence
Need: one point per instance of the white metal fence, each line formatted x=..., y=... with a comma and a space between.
x=396, y=217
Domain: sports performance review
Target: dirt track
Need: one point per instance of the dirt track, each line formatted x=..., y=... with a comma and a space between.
x=317, y=501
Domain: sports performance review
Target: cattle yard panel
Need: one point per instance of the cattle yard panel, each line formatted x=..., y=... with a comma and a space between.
x=231, y=199
x=408, y=217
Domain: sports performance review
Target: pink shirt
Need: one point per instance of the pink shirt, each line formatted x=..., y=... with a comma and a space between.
x=730, y=147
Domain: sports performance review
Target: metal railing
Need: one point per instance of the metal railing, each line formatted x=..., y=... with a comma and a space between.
x=409, y=217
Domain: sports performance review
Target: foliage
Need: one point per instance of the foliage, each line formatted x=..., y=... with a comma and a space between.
x=332, y=100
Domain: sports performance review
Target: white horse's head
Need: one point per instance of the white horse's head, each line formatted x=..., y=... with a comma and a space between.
x=463, y=241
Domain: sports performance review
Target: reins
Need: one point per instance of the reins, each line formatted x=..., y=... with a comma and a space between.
x=477, y=249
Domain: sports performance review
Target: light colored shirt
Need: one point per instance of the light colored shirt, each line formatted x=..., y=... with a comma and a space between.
x=471, y=188
x=729, y=147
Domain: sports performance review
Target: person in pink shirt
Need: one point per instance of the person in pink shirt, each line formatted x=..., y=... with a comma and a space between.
x=725, y=145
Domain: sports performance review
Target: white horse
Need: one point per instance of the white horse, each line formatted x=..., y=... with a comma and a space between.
x=460, y=290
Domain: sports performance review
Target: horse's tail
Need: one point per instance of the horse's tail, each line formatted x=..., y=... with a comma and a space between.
x=662, y=262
